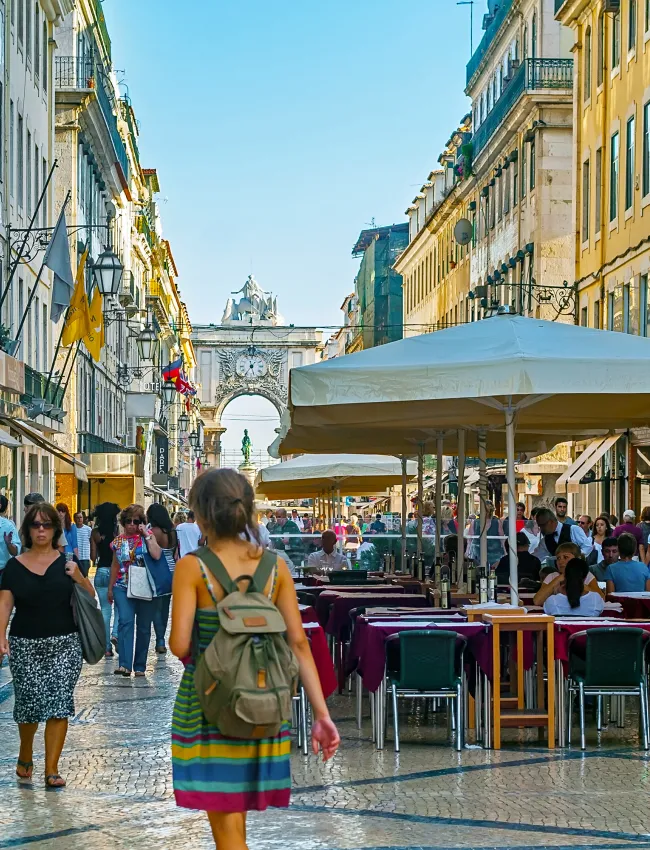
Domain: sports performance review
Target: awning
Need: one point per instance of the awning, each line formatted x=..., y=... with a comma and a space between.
x=8, y=441
x=151, y=490
x=569, y=481
x=70, y=463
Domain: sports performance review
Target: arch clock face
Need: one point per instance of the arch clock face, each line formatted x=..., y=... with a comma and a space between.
x=251, y=366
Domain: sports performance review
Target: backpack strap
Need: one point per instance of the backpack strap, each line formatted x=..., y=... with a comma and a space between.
x=214, y=564
x=263, y=572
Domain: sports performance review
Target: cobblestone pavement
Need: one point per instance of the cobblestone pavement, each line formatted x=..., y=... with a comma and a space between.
x=119, y=792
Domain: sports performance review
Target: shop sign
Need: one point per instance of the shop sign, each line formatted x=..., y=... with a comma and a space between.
x=12, y=374
x=162, y=455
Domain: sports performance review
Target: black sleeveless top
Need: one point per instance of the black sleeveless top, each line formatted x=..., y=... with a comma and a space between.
x=43, y=603
x=104, y=551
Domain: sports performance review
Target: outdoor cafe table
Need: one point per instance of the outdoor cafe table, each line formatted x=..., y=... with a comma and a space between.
x=339, y=616
x=636, y=606
x=319, y=650
x=370, y=643
x=565, y=627
x=328, y=596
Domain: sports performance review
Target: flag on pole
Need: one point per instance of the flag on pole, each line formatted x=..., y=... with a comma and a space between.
x=77, y=325
x=95, y=339
x=173, y=371
x=57, y=258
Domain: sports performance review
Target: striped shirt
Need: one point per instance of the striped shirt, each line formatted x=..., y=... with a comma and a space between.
x=83, y=542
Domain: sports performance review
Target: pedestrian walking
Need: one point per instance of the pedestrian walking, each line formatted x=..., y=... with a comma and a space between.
x=69, y=531
x=83, y=542
x=222, y=776
x=44, y=648
x=9, y=537
x=189, y=535
x=602, y=530
x=561, y=508
x=135, y=615
x=167, y=538
x=103, y=534
x=644, y=525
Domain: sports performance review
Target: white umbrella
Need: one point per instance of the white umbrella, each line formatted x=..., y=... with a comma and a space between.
x=352, y=475
x=505, y=375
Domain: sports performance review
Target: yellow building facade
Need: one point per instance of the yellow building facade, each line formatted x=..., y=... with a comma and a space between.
x=611, y=161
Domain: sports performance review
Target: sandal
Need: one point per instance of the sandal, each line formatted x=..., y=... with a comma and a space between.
x=140, y=674
x=26, y=765
x=119, y=671
x=54, y=781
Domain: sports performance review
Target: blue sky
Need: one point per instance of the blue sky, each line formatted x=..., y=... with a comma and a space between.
x=279, y=131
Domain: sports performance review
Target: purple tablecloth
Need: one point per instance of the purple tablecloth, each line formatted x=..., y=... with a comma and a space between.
x=370, y=642
x=327, y=596
x=339, y=618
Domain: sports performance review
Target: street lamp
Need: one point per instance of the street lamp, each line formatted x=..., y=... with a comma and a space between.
x=183, y=421
x=194, y=439
x=108, y=271
x=148, y=343
x=169, y=392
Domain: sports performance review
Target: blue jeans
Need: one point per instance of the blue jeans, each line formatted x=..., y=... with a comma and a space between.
x=102, y=579
x=136, y=617
x=161, y=618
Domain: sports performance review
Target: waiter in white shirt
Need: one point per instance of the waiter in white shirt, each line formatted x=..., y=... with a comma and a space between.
x=555, y=532
x=327, y=558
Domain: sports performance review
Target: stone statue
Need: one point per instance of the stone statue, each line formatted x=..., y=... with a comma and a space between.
x=246, y=446
x=255, y=305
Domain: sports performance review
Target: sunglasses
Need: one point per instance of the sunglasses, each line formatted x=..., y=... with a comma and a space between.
x=135, y=521
x=45, y=525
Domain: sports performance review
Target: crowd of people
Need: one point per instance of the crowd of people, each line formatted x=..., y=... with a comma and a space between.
x=53, y=551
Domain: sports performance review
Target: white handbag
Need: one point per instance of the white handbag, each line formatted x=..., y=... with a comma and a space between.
x=139, y=583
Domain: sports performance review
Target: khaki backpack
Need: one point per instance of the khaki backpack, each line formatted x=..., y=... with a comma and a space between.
x=248, y=675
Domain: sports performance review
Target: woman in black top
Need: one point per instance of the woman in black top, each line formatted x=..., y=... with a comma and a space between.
x=102, y=536
x=44, y=649
x=167, y=538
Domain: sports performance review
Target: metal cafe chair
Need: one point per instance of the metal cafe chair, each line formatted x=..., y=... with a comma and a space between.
x=426, y=664
x=608, y=661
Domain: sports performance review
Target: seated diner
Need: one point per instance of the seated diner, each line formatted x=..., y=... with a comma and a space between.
x=553, y=582
x=572, y=596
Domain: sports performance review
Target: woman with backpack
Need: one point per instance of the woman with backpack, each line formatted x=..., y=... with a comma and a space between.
x=218, y=768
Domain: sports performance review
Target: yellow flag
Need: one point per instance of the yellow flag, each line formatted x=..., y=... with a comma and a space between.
x=77, y=325
x=95, y=339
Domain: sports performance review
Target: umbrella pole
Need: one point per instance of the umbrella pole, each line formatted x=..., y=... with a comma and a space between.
x=404, y=512
x=439, y=448
x=420, y=496
x=482, y=490
x=460, y=516
x=339, y=511
x=512, y=505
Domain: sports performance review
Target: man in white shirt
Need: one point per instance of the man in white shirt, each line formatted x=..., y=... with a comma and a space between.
x=189, y=535
x=83, y=543
x=555, y=532
x=295, y=516
x=327, y=558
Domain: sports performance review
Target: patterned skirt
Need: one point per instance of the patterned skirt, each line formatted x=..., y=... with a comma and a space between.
x=218, y=774
x=45, y=672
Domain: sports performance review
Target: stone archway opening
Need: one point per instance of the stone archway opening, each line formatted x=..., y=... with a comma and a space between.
x=260, y=417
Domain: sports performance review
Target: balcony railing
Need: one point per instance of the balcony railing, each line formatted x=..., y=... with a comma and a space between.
x=92, y=444
x=84, y=72
x=532, y=75
x=486, y=41
x=142, y=226
x=35, y=384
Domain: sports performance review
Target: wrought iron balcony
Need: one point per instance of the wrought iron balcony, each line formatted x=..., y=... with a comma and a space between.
x=92, y=444
x=87, y=74
x=143, y=227
x=488, y=38
x=532, y=75
x=35, y=384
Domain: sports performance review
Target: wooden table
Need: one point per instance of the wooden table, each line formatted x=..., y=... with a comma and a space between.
x=519, y=624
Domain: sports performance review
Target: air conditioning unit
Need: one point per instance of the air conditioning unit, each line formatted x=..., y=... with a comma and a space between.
x=612, y=6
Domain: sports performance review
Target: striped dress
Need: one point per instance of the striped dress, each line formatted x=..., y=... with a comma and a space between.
x=218, y=774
